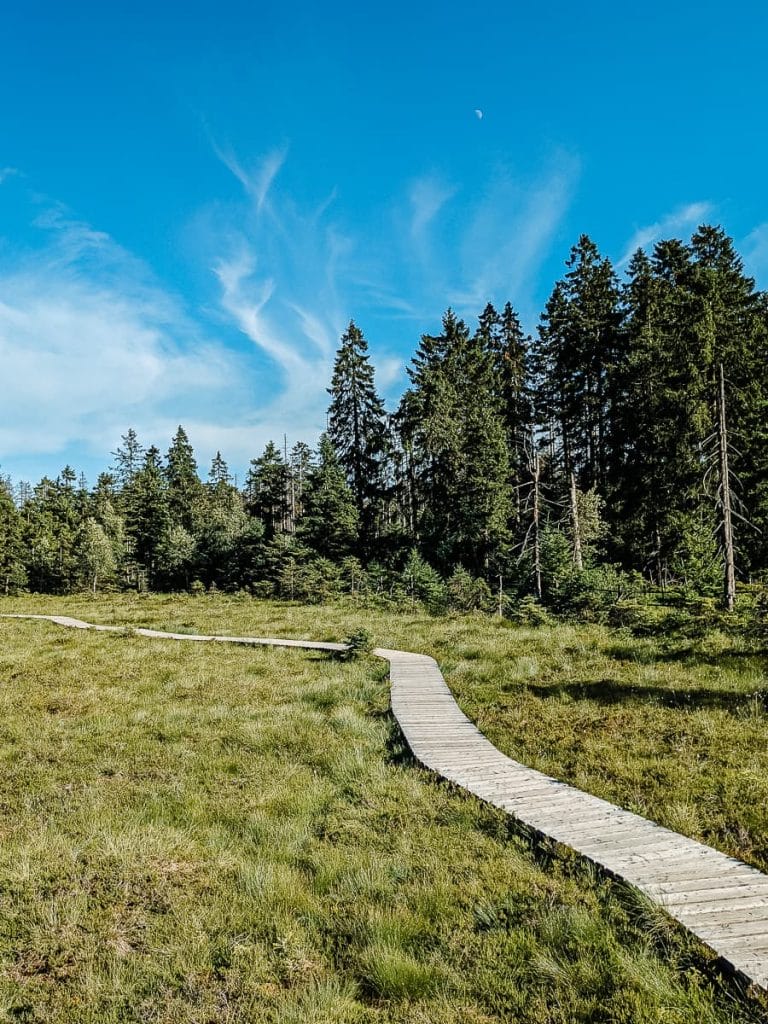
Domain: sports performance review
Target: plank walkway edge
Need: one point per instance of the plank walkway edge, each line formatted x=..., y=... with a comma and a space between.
x=719, y=899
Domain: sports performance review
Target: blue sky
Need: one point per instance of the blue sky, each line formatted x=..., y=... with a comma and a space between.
x=196, y=198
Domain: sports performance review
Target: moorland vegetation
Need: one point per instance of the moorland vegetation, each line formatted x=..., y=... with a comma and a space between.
x=201, y=832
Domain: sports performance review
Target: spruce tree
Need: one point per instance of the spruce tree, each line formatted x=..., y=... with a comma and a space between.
x=687, y=310
x=52, y=517
x=40, y=538
x=329, y=524
x=502, y=337
x=731, y=330
x=128, y=459
x=357, y=428
x=575, y=358
x=266, y=490
x=451, y=423
x=661, y=416
x=219, y=476
x=151, y=515
x=185, y=491
x=13, y=574
x=221, y=529
x=300, y=465
x=639, y=485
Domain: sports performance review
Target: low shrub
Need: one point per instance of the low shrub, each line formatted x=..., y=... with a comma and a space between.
x=529, y=612
x=359, y=642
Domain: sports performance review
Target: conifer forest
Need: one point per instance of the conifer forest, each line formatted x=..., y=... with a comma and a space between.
x=622, y=447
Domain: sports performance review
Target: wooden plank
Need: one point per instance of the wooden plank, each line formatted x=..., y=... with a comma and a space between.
x=696, y=895
x=725, y=904
x=699, y=883
x=612, y=832
x=734, y=916
x=697, y=863
x=634, y=837
x=734, y=929
x=755, y=944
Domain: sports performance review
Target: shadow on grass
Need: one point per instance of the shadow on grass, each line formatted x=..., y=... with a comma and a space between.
x=685, y=655
x=397, y=750
x=612, y=691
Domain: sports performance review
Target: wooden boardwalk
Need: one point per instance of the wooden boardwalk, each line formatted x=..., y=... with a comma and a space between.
x=722, y=901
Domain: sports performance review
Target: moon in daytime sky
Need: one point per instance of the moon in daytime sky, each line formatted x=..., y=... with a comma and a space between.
x=479, y=115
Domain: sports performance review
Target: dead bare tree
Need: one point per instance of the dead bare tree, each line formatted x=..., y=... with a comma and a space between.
x=536, y=475
x=729, y=561
x=718, y=449
x=578, y=560
x=533, y=505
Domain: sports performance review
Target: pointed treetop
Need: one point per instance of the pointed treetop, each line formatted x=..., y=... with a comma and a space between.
x=219, y=474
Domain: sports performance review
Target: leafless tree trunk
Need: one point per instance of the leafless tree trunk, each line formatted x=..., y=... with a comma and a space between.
x=578, y=561
x=291, y=488
x=536, y=470
x=729, y=564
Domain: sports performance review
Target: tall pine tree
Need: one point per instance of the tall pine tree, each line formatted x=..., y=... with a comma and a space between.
x=266, y=490
x=453, y=430
x=329, y=523
x=357, y=428
x=574, y=360
x=185, y=490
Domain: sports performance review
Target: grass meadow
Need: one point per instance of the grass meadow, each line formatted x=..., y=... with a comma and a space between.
x=199, y=833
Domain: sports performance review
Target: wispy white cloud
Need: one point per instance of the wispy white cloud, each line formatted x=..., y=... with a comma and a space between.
x=489, y=247
x=292, y=277
x=427, y=197
x=90, y=344
x=684, y=219
x=7, y=172
x=245, y=299
x=93, y=343
x=279, y=275
x=257, y=181
x=511, y=234
x=313, y=328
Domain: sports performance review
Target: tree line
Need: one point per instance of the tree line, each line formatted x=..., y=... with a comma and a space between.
x=625, y=442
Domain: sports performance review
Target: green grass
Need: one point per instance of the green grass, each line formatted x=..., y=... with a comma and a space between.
x=200, y=833
x=674, y=729
x=672, y=726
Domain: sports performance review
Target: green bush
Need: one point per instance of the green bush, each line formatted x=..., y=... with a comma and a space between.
x=359, y=642
x=467, y=594
x=590, y=593
x=758, y=618
x=529, y=612
x=315, y=582
x=423, y=583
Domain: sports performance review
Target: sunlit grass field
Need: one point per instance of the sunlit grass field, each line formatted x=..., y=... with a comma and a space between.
x=199, y=833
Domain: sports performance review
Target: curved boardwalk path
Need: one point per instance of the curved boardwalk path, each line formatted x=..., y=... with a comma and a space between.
x=719, y=899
